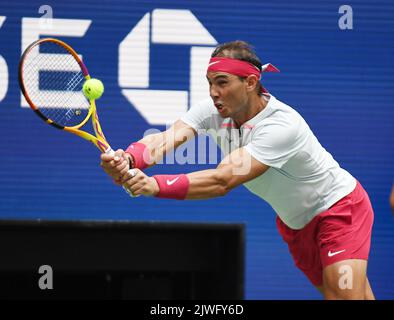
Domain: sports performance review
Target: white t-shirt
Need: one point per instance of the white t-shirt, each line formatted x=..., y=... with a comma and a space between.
x=303, y=179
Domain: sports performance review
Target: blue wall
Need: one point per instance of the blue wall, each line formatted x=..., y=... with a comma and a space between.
x=341, y=81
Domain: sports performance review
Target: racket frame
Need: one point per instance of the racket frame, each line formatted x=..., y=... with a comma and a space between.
x=99, y=139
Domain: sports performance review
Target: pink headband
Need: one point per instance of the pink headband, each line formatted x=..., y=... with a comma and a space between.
x=238, y=67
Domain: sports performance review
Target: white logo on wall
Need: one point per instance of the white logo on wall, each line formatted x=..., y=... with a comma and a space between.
x=3, y=70
x=161, y=26
x=164, y=26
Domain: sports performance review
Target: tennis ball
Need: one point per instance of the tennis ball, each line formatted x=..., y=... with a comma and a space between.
x=93, y=89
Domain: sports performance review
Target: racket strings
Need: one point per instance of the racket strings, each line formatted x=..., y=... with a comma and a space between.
x=53, y=80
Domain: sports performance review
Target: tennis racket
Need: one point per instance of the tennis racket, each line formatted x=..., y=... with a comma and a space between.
x=51, y=76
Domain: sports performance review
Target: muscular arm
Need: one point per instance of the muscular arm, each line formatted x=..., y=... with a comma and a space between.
x=161, y=143
x=158, y=145
x=237, y=168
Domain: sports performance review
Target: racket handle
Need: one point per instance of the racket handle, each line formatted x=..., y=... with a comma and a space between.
x=130, y=193
x=110, y=151
x=132, y=172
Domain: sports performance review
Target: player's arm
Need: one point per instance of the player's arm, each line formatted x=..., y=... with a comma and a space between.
x=147, y=151
x=237, y=168
x=157, y=145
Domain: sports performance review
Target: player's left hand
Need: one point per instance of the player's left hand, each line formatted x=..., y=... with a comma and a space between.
x=139, y=183
x=115, y=165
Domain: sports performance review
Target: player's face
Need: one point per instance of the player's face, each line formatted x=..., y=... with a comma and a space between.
x=228, y=93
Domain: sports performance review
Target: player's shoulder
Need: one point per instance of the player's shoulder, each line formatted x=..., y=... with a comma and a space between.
x=203, y=115
x=204, y=105
x=280, y=113
x=282, y=108
x=280, y=119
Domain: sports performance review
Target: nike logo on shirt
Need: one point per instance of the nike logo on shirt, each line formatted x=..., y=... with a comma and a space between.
x=170, y=182
x=331, y=254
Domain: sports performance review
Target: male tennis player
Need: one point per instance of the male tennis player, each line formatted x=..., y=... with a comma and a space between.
x=323, y=213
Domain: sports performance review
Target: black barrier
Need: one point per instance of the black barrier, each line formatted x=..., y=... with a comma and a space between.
x=121, y=260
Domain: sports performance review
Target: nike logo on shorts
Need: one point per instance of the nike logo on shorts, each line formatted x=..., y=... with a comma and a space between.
x=331, y=254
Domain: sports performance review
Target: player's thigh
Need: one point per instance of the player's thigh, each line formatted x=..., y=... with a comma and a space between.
x=345, y=279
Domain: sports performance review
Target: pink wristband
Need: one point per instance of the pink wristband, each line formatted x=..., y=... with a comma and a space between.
x=172, y=186
x=140, y=154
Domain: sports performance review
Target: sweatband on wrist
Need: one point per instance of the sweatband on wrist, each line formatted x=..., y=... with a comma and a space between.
x=140, y=154
x=173, y=186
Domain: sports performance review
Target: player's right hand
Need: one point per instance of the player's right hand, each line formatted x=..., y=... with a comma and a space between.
x=116, y=165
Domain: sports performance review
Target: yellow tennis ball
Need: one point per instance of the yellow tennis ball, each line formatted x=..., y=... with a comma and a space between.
x=93, y=89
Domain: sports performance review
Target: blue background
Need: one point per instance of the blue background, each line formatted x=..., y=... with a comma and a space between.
x=341, y=81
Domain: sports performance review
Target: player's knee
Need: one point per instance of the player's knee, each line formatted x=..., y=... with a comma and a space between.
x=332, y=293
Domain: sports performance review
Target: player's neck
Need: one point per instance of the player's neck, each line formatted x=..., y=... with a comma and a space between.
x=255, y=106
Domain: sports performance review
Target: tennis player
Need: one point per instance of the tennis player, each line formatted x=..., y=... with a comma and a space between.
x=323, y=213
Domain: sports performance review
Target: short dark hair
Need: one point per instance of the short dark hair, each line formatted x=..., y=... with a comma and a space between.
x=240, y=50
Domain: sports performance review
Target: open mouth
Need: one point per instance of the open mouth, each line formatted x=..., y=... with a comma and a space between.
x=218, y=105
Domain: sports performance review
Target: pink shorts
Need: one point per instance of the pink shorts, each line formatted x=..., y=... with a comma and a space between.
x=340, y=233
